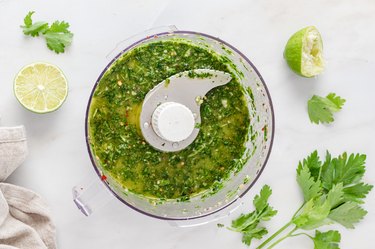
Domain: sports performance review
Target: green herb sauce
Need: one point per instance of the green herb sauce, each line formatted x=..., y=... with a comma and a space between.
x=124, y=155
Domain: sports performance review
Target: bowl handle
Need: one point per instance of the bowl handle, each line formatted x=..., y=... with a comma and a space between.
x=129, y=42
x=91, y=195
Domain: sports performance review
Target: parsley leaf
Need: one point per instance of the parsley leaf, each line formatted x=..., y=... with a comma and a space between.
x=336, y=100
x=313, y=163
x=357, y=192
x=314, y=214
x=335, y=195
x=57, y=36
x=27, y=20
x=332, y=190
x=253, y=233
x=248, y=224
x=343, y=169
x=310, y=187
x=327, y=240
x=347, y=214
x=349, y=171
x=321, y=109
x=261, y=201
x=33, y=29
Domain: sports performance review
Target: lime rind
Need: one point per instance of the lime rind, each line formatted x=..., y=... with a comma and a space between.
x=41, y=102
x=304, y=52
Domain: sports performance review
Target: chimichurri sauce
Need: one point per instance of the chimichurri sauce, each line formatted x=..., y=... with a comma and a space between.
x=116, y=139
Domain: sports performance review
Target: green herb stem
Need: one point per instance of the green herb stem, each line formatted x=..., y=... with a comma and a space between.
x=283, y=238
x=298, y=234
x=299, y=209
x=274, y=235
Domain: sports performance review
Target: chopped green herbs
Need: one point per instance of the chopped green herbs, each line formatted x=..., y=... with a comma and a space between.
x=193, y=75
x=321, y=109
x=124, y=155
x=57, y=36
x=166, y=82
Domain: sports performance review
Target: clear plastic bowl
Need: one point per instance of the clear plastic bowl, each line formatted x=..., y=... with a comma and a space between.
x=256, y=155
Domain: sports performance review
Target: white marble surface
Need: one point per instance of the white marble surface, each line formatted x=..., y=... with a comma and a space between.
x=58, y=158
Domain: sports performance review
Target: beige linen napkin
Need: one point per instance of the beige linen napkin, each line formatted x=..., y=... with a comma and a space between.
x=24, y=217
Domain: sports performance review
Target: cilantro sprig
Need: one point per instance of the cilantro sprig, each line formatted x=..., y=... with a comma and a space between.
x=333, y=191
x=57, y=35
x=321, y=109
x=248, y=224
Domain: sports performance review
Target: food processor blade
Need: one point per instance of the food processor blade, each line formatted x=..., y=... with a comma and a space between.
x=170, y=115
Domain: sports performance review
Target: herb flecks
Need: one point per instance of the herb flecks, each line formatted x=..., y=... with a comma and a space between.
x=199, y=170
x=193, y=75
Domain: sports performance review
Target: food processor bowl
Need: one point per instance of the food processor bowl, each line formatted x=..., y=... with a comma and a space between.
x=258, y=146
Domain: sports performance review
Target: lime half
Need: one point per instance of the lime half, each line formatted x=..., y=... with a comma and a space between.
x=304, y=52
x=41, y=87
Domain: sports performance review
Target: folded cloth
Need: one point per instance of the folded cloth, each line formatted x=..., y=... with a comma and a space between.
x=13, y=149
x=24, y=217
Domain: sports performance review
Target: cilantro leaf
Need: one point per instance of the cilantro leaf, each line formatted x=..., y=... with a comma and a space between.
x=57, y=36
x=327, y=240
x=321, y=109
x=33, y=29
x=248, y=224
x=347, y=214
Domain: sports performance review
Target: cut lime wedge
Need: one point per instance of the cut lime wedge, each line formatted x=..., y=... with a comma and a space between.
x=304, y=52
x=41, y=87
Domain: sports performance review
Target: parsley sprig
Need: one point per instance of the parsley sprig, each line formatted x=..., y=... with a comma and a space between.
x=57, y=35
x=248, y=224
x=321, y=109
x=333, y=192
